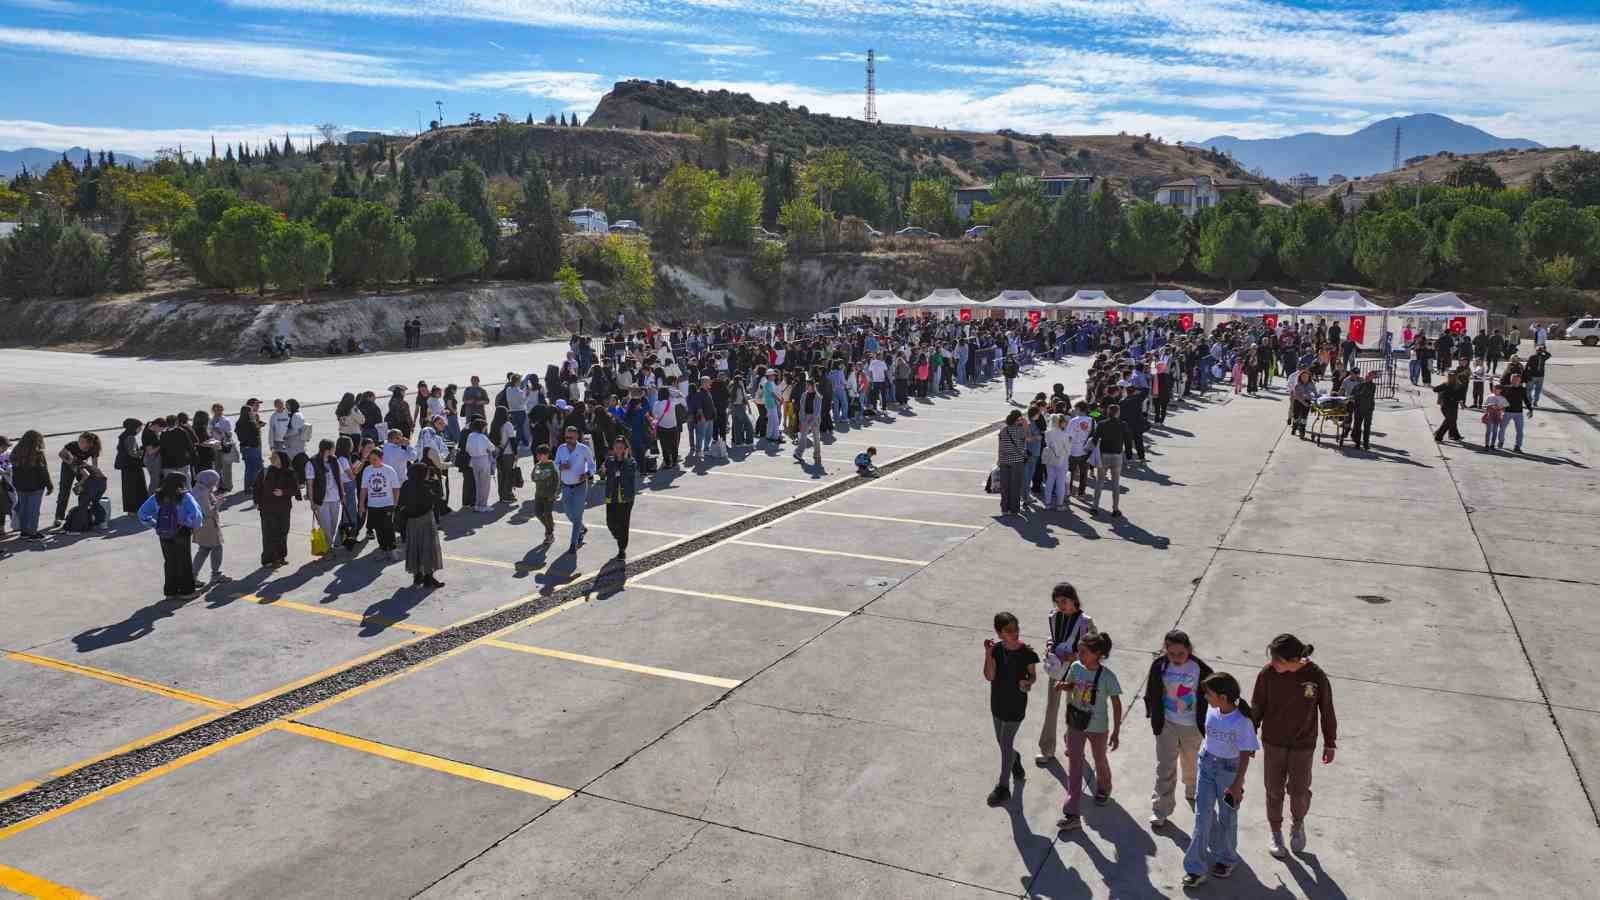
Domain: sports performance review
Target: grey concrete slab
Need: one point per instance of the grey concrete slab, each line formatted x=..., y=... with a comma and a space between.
x=1355, y=528
x=1546, y=544
x=1558, y=625
x=1129, y=590
x=1381, y=623
x=676, y=631
x=229, y=653
x=548, y=719
x=904, y=798
x=52, y=719
x=591, y=847
x=967, y=507
x=879, y=537
x=787, y=576
x=280, y=815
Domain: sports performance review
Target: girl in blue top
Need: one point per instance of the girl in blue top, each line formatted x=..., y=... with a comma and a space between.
x=1225, y=752
x=174, y=514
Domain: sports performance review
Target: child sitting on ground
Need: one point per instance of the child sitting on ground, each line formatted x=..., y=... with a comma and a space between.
x=864, y=466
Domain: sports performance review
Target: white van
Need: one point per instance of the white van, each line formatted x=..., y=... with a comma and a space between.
x=589, y=221
x=1585, y=329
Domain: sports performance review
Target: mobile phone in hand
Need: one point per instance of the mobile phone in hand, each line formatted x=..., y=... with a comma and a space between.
x=1228, y=799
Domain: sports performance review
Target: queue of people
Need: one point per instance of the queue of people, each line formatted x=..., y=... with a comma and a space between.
x=1207, y=734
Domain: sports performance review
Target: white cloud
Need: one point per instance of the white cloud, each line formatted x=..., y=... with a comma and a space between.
x=60, y=7
x=589, y=15
x=719, y=51
x=143, y=142
x=570, y=87
x=849, y=57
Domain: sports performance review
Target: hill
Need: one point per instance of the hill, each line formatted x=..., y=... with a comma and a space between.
x=1366, y=152
x=566, y=151
x=37, y=159
x=1515, y=168
x=1135, y=162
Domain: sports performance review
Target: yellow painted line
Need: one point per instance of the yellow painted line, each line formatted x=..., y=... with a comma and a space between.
x=124, y=680
x=667, y=495
x=713, y=681
x=131, y=783
x=360, y=689
x=33, y=886
x=16, y=789
x=843, y=515
x=752, y=601
x=820, y=552
x=428, y=761
x=879, y=487
x=345, y=615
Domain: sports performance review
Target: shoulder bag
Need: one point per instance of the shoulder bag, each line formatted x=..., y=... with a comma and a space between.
x=1080, y=718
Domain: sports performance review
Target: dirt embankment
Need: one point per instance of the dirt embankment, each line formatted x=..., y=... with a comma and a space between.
x=187, y=325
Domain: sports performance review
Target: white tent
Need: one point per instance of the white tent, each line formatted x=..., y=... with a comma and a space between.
x=1249, y=303
x=1017, y=303
x=1435, y=313
x=1350, y=306
x=1089, y=301
x=880, y=304
x=1165, y=303
x=946, y=299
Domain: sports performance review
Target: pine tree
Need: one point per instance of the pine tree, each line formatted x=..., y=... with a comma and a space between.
x=111, y=157
x=127, y=264
x=288, y=147
x=213, y=146
x=394, y=167
x=473, y=198
x=644, y=122
x=229, y=156
x=772, y=196
x=538, y=251
x=408, y=193
x=530, y=119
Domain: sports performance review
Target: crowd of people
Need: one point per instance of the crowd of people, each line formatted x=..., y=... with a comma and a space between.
x=1204, y=729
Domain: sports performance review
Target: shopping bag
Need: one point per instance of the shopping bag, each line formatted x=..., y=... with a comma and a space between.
x=319, y=541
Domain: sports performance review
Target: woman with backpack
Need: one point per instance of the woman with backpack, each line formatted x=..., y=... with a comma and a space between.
x=173, y=513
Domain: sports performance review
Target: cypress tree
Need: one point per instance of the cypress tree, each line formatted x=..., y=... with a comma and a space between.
x=538, y=253
x=408, y=193
x=473, y=198
x=127, y=264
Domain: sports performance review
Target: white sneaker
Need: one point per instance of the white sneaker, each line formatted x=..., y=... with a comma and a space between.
x=1275, y=845
x=1158, y=821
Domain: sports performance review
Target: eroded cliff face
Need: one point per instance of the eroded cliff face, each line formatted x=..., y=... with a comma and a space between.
x=204, y=326
x=726, y=280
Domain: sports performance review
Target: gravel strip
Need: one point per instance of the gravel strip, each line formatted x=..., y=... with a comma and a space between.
x=97, y=776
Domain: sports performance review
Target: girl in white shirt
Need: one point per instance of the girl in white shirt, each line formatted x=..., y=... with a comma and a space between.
x=480, y=451
x=1057, y=450
x=1225, y=752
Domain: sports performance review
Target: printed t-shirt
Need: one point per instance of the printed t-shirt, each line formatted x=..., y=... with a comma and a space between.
x=379, y=482
x=1228, y=735
x=1081, y=686
x=1182, y=692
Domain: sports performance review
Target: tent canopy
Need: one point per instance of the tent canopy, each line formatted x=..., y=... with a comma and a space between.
x=1445, y=304
x=1089, y=300
x=878, y=300
x=1249, y=302
x=946, y=298
x=1337, y=303
x=1016, y=300
x=1167, y=301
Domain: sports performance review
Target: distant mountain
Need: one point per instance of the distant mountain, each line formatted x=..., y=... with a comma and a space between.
x=37, y=160
x=1367, y=152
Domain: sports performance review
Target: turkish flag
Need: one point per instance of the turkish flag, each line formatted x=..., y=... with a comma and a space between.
x=1112, y=316
x=1271, y=320
x=899, y=314
x=1458, y=325
x=1033, y=318
x=1186, y=321
x=1358, y=329
x=966, y=315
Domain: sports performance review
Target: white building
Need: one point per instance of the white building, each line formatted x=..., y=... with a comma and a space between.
x=589, y=221
x=1302, y=181
x=1190, y=195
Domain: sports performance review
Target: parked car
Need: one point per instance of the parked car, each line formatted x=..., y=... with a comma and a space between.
x=978, y=231
x=626, y=226
x=915, y=231
x=873, y=233
x=761, y=234
x=1585, y=329
x=831, y=314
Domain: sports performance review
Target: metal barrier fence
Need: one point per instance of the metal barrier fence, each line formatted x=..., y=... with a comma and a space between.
x=1386, y=367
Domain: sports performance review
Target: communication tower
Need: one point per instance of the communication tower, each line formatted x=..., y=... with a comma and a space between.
x=872, y=89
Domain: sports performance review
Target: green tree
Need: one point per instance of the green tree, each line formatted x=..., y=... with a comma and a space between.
x=332, y=213
x=472, y=195
x=29, y=253
x=733, y=210
x=1309, y=250
x=1021, y=228
x=1069, y=245
x=127, y=272
x=211, y=204
x=79, y=267
x=1013, y=184
x=237, y=250
x=804, y=223
x=1561, y=272
x=538, y=251
x=306, y=193
x=1392, y=249
x=571, y=285
x=633, y=276
x=1230, y=248
x=371, y=246
x=1482, y=244
x=1576, y=178
x=678, y=210
x=344, y=184
x=407, y=207
x=1474, y=173
x=298, y=257
x=1150, y=240
x=772, y=196
x=933, y=206
x=446, y=240
x=1553, y=227
x=1106, y=222
x=190, y=237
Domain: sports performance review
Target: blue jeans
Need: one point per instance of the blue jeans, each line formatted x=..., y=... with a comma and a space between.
x=841, y=406
x=574, y=499
x=1208, y=847
x=743, y=429
x=252, y=466
x=519, y=420
x=1010, y=383
x=961, y=371
x=700, y=437
x=27, y=511
x=1512, y=418
x=1535, y=390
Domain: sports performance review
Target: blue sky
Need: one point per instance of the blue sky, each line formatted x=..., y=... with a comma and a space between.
x=137, y=75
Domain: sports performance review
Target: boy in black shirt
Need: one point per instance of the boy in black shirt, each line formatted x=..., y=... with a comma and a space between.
x=1008, y=667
